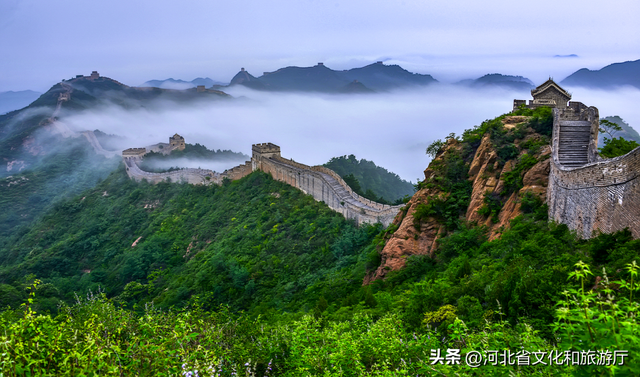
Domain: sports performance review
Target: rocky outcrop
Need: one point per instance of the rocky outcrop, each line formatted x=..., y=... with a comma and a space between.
x=404, y=239
x=487, y=176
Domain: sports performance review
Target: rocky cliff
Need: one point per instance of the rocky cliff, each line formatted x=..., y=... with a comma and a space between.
x=490, y=197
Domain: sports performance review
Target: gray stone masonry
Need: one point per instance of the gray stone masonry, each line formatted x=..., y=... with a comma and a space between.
x=321, y=183
x=586, y=193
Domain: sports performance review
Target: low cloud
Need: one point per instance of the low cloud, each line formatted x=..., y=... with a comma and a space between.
x=391, y=129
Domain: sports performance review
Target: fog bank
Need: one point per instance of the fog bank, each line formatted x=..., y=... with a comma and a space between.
x=391, y=129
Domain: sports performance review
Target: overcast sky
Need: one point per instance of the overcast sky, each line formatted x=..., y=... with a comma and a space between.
x=43, y=41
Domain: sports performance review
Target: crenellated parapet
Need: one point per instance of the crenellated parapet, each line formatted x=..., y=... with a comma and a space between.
x=585, y=192
x=323, y=184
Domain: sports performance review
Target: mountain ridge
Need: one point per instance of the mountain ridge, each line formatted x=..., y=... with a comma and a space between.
x=608, y=77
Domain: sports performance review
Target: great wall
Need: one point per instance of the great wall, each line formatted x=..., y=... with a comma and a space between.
x=321, y=183
x=587, y=193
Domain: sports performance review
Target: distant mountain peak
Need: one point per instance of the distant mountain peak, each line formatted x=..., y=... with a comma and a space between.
x=611, y=76
x=320, y=78
x=500, y=80
x=178, y=84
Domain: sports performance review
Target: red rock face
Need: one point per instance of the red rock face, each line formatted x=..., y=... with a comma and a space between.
x=486, y=175
x=407, y=240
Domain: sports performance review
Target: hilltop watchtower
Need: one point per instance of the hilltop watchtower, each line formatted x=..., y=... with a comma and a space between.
x=548, y=94
x=263, y=151
x=177, y=142
x=95, y=75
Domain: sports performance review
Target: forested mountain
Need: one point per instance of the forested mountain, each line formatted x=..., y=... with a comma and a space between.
x=255, y=277
x=44, y=162
x=611, y=76
x=371, y=181
x=181, y=84
x=627, y=132
x=499, y=80
x=320, y=78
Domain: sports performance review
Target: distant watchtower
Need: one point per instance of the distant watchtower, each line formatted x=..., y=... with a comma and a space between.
x=263, y=151
x=176, y=142
x=548, y=94
x=95, y=75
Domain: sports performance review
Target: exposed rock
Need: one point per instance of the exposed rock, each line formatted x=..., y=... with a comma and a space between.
x=16, y=165
x=136, y=242
x=512, y=121
x=538, y=175
x=508, y=166
x=407, y=240
x=487, y=178
x=510, y=210
x=484, y=160
x=480, y=159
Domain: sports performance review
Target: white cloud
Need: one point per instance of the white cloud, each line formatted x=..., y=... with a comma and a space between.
x=392, y=130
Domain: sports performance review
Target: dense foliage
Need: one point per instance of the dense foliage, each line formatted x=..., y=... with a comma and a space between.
x=617, y=147
x=250, y=243
x=372, y=182
x=255, y=278
x=63, y=172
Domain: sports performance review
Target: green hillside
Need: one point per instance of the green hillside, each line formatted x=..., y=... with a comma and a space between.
x=63, y=173
x=253, y=243
x=369, y=180
x=254, y=277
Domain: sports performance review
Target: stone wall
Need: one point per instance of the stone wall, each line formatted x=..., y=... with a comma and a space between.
x=192, y=176
x=603, y=195
x=327, y=186
x=238, y=171
x=321, y=183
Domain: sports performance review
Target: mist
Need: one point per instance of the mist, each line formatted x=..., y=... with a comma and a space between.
x=391, y=129
x=182, y=162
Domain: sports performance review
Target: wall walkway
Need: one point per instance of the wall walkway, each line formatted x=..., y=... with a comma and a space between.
x=327, y=186
x=585, y=192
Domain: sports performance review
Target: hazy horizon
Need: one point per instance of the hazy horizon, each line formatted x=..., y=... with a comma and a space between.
x=391, y=129
x=134, y=42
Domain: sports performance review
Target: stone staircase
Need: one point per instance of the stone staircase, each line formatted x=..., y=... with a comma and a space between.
x=342, y=192
x=574, y=141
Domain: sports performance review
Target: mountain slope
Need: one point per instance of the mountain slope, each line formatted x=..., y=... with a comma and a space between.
x=255, y=242
x=378, y=76
x=611, y=76
x=499, y=80
x=181, y=84
x=627, y=132
x=320, y=78
x=317, y=79
x=381, y=182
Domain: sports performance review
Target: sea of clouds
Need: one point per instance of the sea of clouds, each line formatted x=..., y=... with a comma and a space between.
x=392, y=129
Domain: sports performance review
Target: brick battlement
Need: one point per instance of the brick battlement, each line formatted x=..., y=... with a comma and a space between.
x=598, y=195
x=323, y=184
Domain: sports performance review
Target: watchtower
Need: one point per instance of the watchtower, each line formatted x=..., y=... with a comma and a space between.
x=262, y=151
x=548, y=94
x=200, y=89
x=95, y=75
x=176, y=142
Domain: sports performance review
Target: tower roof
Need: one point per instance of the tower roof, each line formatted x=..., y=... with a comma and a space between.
x=546, y=86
